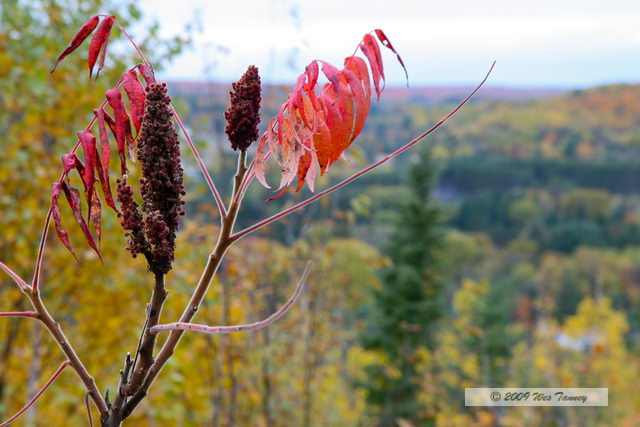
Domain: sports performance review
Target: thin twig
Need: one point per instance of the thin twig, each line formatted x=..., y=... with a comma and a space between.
x=38, y=394
x=21, y=283
x=88, y=406
x=203, y=168
x=341, y=184
x=239, y=328
x=19, y=314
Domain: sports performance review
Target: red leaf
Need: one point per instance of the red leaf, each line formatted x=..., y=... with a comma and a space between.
x=122, y=125
x=88, y=142
x=386, y=43
x=135, y=92
x=102, y=163
x=56, y=188
x=80, y=36
x=372, y=51
x=73, y=197
x=147, y=73
x=95, y=215
x=98, y=44
x=312, y=130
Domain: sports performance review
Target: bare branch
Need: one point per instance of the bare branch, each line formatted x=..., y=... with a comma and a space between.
x=203, y=168
x=239, y=328
x=38, y=394
x=19, y=314
x=341, y=184
x=87, y=404
x=21, y=283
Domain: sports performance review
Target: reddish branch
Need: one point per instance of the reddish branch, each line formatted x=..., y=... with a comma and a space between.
x=38, y=394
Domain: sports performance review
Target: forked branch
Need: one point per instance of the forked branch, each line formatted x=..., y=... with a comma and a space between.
x=240, y=328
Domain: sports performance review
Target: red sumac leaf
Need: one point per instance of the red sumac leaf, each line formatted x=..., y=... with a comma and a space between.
x=95, y=215
x=88, y=142
x=147, y=73
x=56, y=188
x=80, y=36
x=98, y=44
x=135, y=92
x=386, y=43
x=312, y=130
x=103, y=161
x=122, y=125
x=73, y=197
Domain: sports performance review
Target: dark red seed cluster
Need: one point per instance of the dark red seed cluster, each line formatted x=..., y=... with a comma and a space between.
x=131, y=220
x=161, y=185
x=243, y=114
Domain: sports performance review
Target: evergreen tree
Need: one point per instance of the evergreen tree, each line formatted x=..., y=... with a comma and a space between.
x=402, y=319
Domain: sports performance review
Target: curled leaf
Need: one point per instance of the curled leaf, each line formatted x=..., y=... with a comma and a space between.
x=56, y=188
x=77, y=40
x=88, y=142
x=147, y=73
x=102, y=162
x=95, y=215
x=98, y=44
x=122, y=126
x=73, y=197
x=135, y=92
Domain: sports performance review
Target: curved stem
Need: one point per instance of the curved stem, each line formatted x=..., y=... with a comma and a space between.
x=341, y=184
x=21, y=283
x=19, y=314
x=38, y=394
x=239, y=328
x=203, y=168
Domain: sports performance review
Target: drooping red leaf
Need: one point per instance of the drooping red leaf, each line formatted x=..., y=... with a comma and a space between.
x=71, y=161
x=77, y=40
x=372, y=51
x=56, y=188
x=73, y=197
x=102, y=162
x=386, y=43
x=88, y=142
x=312, y=130
x=98, y=44
x=122, y=125
x=147, y=73
x=110, y=122
x=95, y=215
x=135, y=92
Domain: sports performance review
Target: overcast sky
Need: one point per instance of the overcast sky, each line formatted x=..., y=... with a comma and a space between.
x=561, y=43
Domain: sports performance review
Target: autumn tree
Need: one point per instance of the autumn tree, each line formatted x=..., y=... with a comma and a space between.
x=407, y=307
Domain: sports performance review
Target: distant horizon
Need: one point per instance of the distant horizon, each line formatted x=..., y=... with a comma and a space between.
x=572, y=44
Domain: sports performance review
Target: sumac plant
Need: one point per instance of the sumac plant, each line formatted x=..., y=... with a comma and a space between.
x=134, y=127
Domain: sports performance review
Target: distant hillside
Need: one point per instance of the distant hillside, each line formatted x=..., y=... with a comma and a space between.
x=420, y=94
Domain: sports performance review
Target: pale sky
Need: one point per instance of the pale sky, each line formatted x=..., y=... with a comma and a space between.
x=561, y=43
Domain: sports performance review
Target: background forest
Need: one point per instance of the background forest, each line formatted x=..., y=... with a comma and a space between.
x=503, y=252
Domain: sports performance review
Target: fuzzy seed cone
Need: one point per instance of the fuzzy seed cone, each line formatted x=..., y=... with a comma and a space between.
x=243, y=114
x=161, y=184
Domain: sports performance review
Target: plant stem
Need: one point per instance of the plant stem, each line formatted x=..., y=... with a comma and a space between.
x=74, y=361
x=213, y=262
